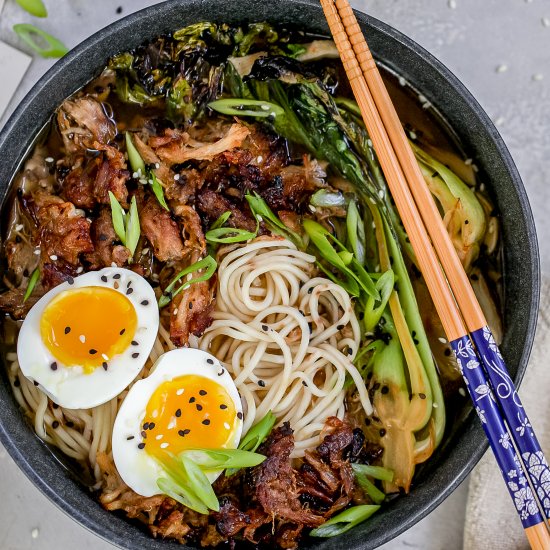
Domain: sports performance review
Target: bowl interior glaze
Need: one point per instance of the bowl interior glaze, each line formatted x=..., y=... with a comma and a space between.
x=459, y=453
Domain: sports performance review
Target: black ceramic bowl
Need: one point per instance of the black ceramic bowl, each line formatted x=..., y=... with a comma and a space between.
x=461, y=451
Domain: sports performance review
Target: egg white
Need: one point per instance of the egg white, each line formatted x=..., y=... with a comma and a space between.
x=137, y=468
x=70, y=386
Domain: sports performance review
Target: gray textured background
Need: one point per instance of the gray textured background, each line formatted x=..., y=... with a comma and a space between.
x=500, y=49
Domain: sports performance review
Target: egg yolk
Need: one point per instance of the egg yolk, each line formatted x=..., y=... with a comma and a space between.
x=88, y=326
x=188, y=412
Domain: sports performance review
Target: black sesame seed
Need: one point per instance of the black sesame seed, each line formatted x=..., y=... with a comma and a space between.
x=350, y=350
x=129, y=438
x=104, y=278
x=16, y=382
x=35, y=383
x=186, y=431
x=210, y=361
x=181, y=433
x=128, y=284
x=141, y=446
x=151, y=425
x=206, y=422
x=376, y=386
x=202, y=392
x=55, y=424
x=304, y=383
x=261, y=383
x=240, y=415
x=122, y=331
x=190, y=305
x=134, y=343
x=105, y=365
x=135, y=355
x=310, y=290
x=70, y=280
x=367, y=421
x=145, y=303
x=69, y=424
x=385, y=389
x=199, y=407
x=361, y=316
x=265, y=327
x=116, y=276
x=422, y=395
x=92, y=351
x=53, y=366
x=146, y=426
x=382, y=432
x=144, y=434
x=447, y=352
x=178, y=413
x=192, y=400
x=55, y=406
x=339, y=327
x=223, y=407
x=103, y=237
x=67, y=330
x=221, y=372
x=129, y=291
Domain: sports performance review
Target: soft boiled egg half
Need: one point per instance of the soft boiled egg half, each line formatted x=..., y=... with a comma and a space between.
x=188, y=402
x=88, y=338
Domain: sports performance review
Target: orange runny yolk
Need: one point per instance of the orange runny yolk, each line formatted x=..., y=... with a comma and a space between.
x=188, y=412
x=88, y=326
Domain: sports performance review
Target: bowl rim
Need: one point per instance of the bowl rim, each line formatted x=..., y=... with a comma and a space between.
x=10, y=440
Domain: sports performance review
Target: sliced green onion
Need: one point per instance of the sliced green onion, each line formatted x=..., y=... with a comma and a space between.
x=159, y=191
x=221, y=220
x=208, y=264
x=32, y=283
x=262, y=212
x=227, y=235
x=217, y=459
x=133, y=229
x=182, y=495
x=369, y=488
x=345, y=521
x=258, y=433
x=200, y=484
x=246, y=107
x=376, y=472
x=118, y=215
x=34, y=7
x=26, y=32
x=136, y=162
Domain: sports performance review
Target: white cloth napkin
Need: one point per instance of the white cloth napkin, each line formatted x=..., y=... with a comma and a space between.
x=491, y=519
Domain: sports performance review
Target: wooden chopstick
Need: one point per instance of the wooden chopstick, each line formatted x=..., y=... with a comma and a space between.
x=350, y=42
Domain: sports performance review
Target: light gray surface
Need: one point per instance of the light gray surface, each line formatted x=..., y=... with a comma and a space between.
x=500, y=49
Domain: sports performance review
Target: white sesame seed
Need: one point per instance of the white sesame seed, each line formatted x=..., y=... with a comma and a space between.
x=381, y=193
x=422, y=98
x=143, y=181
x=475, y=168
x=452, y=4
x=501, y=68
x=377, y=269
x=80, y=269
x=172, y=424
x=259, y=218
x=175, y=312
x=135, y=175
x=467, y=162
x=36, y=251
x=145, y=251
x=19, y=227
x=49, y=159
x=369, y=142
x=537, y=77
x=34, y=533
x=159, y=437
x=312, y=208
x=113, y=264
x=176, y=177
x=462, y=392
x=442, y=340
x=180, y=391
x=157, y=165
x=413, y=135
x=545, y=21
x=164, y=445
x=259, y=159
x=402, y=81
x=155, y=413
x=82, y=338
x=53, y=257
x=226, y=426
x=189, y=276
x=482, y=187
x=105, y=357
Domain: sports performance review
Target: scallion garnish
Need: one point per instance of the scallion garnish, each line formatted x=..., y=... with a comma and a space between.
x=28, y=32
x=208, y=264
x=134, y=158
x=126, y=224
x=345, y=521
x=32, y=283
x=34, y=7
x=258, y=433
x=227, y=235
x=218, y=459
x=376, y=472
x=158, y=191
x=363, y=472
x=246, y=107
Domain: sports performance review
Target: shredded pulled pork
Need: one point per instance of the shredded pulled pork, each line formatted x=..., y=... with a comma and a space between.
x=271, y=504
